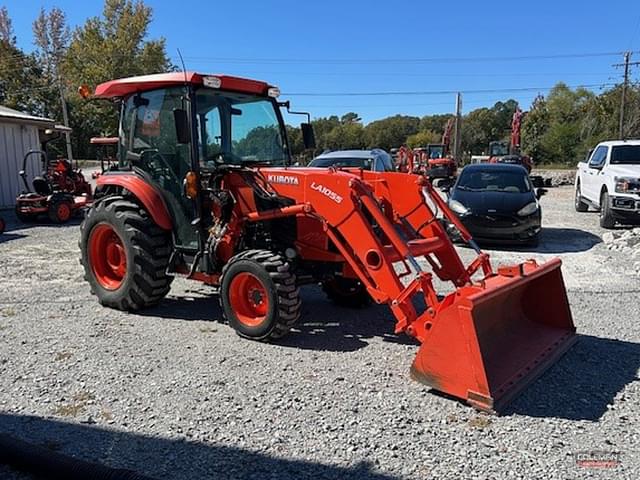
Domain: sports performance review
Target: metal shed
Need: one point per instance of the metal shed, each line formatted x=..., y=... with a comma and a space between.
x=19, y=133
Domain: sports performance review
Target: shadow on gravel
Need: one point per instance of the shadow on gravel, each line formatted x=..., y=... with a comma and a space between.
x=163, y=458
x=7, y=237
x=322, y=325
x=583, y=382
x=554, y=240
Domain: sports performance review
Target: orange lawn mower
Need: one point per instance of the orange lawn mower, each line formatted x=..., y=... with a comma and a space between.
x=204, y=189
x=59, y=192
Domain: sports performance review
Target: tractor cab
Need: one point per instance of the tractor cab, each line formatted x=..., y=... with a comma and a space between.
x=180, y=132
x=436, y=151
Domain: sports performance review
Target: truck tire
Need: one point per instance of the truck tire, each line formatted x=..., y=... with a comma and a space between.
x=346, y=292
x=578, y=202
x=124, y=255
x=60, y=209
x=259, y=295
x=606, y=217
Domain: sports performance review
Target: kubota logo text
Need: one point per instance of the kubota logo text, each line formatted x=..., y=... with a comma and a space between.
x=327, y=192
x=283, y=179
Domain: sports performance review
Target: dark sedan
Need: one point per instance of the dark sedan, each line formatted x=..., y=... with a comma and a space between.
x=497, y=202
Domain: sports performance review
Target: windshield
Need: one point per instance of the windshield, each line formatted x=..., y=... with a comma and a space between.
x=625, y=154
x=494, y=181
x=498, y=149
x=342, y=162
x=238, y=129
x=436, y=151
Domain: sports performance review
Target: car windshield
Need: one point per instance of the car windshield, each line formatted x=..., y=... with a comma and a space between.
x=494, y=181
x=625, y=155
x=238, y=129
x=342, y=162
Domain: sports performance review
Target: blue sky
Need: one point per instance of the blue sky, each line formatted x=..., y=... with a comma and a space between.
x=381, y=46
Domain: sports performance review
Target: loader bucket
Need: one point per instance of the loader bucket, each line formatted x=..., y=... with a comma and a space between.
x=488, y=342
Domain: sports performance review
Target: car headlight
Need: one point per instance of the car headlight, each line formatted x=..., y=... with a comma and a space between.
x=624, y=184
x=457, y=207
x=528, y=209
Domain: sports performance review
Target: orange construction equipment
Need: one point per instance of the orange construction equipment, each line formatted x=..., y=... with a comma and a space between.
x=204, y=190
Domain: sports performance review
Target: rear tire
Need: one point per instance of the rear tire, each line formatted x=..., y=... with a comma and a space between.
x=259, y=295
x=60, y=210
x=606, y=217
x=124, y=255
x=346, y=292
x=579, y=204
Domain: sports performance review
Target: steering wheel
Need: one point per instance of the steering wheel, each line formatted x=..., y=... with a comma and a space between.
x=165, y=167
x=222, y=158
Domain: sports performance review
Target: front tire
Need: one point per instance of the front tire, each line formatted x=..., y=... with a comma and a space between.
x=606, y=216
x=124, y=255
x=259, y=295
x=579, y=204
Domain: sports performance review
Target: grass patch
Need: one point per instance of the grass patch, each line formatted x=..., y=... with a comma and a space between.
x=8, y=312
x=76, y=406
x=208, y=330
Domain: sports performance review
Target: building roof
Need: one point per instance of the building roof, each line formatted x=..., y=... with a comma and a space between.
x=126, y=86
x=9, y=114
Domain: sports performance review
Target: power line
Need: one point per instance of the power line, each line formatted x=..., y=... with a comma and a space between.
x=435, y=92
x=403, y=60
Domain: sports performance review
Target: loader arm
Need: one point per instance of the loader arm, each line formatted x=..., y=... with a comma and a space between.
x=484, y=341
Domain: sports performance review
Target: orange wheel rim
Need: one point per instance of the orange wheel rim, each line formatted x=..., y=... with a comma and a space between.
x=248, y=299
x=64, y=212
x=107, y=256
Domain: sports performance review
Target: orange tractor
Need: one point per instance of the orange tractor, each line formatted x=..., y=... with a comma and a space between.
x=204, y=190
x=501, y=152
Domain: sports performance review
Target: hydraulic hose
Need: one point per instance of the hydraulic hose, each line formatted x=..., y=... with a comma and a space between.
x=45, y=463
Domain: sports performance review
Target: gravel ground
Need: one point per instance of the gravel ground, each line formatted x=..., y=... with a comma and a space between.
x=174, y=393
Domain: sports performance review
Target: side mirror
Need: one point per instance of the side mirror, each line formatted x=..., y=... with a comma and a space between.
x=308, y=137
x=182, y=126
x=540, y=192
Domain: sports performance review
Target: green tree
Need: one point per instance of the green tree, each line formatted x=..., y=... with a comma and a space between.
x=113, y=45
x=390, y=132
x=423, y=138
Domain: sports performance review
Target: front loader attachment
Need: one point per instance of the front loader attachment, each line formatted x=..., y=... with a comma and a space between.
x=489, y=340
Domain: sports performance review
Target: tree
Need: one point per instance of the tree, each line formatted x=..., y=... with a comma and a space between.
x=6, y=27
x=51, y=37
x=113, y=45
x=423, y=138
x=390, y=132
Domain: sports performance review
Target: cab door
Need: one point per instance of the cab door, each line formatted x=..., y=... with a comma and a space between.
x=591, y=182
x=150, y=145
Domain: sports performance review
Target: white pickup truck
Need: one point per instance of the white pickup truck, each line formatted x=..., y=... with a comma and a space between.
x=609, y=181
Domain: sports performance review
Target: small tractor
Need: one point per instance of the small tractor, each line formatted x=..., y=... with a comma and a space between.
x=204, y=190
x=58, y=192
x=440, y=163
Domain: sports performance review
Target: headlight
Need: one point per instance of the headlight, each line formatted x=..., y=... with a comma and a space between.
x=623, y=184
x=457, y=207
x=528, y=209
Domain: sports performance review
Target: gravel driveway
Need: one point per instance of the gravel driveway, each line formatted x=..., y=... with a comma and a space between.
x=175, y=394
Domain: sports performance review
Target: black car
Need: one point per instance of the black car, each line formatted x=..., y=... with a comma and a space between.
x=497, y=202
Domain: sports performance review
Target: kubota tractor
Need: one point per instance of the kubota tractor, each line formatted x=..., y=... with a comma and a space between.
x=204, y=190
x=59, y=191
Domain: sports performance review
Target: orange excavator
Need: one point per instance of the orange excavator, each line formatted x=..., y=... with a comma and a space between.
x=501, y=152
x=204, y=189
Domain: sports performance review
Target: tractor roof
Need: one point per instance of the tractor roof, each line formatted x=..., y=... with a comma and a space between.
x=126, y=86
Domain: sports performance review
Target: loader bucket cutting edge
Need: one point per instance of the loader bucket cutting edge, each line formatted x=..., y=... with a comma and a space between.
x=491, y=342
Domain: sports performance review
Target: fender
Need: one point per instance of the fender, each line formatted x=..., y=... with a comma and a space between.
x=145, y=193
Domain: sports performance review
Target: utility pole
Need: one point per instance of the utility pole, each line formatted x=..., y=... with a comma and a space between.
x=627, y=63
x=65, y=119
x=457, y=135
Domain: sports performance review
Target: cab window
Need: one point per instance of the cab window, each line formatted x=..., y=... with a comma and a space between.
x=599, y=156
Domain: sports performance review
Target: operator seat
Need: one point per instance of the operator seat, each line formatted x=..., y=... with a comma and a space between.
x=41, y=186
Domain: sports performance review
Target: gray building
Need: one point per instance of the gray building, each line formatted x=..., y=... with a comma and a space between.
x=19, y=133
